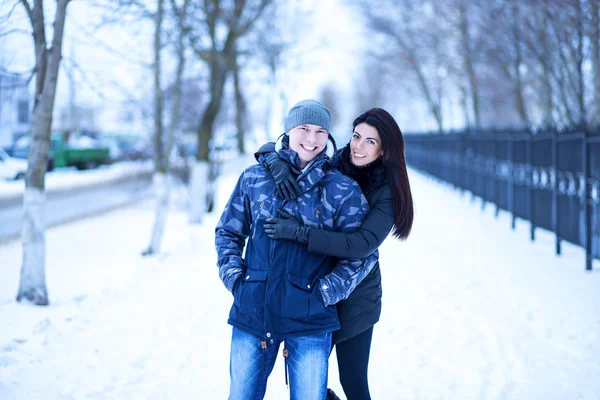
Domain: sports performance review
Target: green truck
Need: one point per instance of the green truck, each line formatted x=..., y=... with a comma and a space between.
x=69, y=150
x=79, y=156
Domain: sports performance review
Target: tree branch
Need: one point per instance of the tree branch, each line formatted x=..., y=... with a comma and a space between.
x=8, y=15
x=93, y=39
x=181, y=15
x=244, y=28
x=28, y=9
x=22, y=31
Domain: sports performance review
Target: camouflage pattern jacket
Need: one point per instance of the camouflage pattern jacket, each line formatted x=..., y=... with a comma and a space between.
x=284, y=290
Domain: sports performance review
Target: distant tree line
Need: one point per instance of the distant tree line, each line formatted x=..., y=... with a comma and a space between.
x=503, y=63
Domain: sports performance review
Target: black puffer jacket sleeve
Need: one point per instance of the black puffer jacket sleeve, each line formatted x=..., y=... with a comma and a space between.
x=264, y=149
x=375, y=228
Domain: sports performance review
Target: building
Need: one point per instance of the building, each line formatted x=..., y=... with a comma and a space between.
x=15, y=108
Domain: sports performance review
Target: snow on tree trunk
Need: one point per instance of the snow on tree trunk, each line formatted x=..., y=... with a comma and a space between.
x=162, y=185
x=198, y=191
x=33, y=275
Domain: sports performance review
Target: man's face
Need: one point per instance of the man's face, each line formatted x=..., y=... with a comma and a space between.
x=308, y=141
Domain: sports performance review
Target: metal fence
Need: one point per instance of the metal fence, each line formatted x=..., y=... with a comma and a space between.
x=550, y=179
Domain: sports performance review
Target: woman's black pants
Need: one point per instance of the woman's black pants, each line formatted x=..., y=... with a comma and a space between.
x=353, y=364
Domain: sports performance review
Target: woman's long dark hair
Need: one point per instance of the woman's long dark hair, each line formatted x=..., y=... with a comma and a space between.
x=394, y=161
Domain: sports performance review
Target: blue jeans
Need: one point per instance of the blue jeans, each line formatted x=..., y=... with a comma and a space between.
x=250, y=365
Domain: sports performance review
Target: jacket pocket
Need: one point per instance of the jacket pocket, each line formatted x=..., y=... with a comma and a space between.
x=302, y=298
x=251, y=293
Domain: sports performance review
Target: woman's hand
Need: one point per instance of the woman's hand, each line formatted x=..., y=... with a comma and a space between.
x=289, y=229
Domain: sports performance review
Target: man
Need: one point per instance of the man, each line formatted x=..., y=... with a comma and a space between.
x=281, y=292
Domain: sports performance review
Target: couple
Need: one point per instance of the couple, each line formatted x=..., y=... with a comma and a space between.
x=314, y=218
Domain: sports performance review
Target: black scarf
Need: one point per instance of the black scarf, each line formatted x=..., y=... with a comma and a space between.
x=370, y=177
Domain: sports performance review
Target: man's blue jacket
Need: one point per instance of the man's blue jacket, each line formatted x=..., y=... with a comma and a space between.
x=281, y=290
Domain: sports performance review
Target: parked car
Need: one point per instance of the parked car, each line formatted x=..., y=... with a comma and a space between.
x=11, y=167
x=22, y=152
x=125, y=149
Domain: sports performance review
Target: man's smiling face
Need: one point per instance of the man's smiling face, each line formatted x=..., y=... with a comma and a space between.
x=308, y=141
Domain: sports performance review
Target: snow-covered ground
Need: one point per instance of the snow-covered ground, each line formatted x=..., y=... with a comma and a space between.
x=472, y=310
x=68, y=178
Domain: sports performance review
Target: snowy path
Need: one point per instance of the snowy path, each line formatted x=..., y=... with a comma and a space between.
x=472, y=310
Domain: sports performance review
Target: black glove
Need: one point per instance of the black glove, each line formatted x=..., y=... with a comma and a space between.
x=289, y=229
x=287, y=186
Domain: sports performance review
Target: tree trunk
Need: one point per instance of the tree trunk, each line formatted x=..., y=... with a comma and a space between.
x=270, y=101
x=158, y=144
x=162, y=181
x=33, y=276
x=595, y=39
x=160, y=178
x=544, y=59
x=162, y=186
x=518, y=84
x=464, y=104
x=218, y=76
x=33, y=272
x=199, y=181
x=240, y=107
x=177, y=92
x=579, y=60
x=564, y=79
x=199, y=184
x=469, y=63
x=434, y=108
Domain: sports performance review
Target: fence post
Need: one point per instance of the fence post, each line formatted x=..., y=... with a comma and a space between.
x=554, y=181
x=496, y=183
x=473, y=167
x=511, y=183
x=529, y=182
x=483, y=165
x=458, y=154
x=586, y=201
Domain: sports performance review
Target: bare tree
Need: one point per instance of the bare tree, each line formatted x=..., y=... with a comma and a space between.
x=566, y=29
x=409, y=39
x=595, y=44
x=540, y=46
x=163, y=146
x=213, y=36
x=578, y=56
x=374, y=71
x=468, y=57
x=158, y=144
x=518, y=86
x=47, y=62
x=502, y=53
x=270, y=41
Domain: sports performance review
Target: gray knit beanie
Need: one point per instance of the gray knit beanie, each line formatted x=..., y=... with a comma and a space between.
x=308, y=112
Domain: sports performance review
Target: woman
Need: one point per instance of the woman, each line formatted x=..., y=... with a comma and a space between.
x=374, y=158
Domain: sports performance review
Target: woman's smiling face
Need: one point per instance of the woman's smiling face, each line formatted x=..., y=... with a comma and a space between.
x=365, y=146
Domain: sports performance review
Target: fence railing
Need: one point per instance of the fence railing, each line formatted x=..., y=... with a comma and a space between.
x=549, y=179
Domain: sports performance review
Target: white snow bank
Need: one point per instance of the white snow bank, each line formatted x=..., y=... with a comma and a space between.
x=64, y=179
